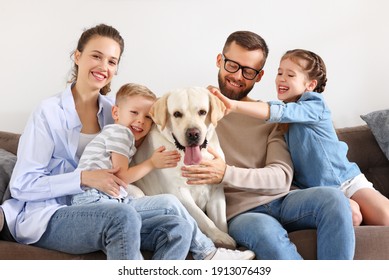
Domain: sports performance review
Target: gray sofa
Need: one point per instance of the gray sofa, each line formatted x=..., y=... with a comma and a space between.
x=372, y=242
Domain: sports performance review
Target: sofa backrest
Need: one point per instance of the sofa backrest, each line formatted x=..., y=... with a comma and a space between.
x=8, y=147
x=365, y=151
x=9, y=141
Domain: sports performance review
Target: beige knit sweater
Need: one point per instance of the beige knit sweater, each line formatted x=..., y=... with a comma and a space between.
x=259, y=167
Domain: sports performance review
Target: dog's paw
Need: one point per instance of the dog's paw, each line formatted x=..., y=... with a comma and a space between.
x=222, y=239
x=134, y=192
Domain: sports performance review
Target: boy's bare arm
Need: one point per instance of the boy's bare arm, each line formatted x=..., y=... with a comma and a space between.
x=159, y=159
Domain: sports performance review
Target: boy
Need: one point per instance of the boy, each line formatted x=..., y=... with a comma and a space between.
x=114, y=148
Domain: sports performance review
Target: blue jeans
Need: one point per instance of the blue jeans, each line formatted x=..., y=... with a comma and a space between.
x=157, y=223
x=264, y=229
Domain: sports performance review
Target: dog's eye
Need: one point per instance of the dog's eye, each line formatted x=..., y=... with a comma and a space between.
x=177, y=114
x=202, y=113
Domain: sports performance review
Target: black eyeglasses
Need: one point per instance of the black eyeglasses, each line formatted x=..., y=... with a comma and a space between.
x=233, y=67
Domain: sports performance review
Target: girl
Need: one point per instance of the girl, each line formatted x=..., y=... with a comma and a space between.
x=319, y=158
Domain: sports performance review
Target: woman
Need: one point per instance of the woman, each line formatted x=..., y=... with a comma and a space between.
x=45, y=174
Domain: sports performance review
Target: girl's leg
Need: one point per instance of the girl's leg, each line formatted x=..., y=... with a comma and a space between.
x=374, y=206
x=356, y=213
x=113, y=228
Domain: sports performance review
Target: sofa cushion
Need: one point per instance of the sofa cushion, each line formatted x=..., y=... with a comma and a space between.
x=378, y=122
x=15, y=251
x=7, y=163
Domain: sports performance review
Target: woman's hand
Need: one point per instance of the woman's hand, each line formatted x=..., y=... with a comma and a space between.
x=103, y=180
x=207, y=172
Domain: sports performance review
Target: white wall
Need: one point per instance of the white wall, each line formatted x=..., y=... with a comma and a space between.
x=174, y=43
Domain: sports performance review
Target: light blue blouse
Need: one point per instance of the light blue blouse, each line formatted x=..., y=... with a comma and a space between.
x=319, y=158
x=44, y=175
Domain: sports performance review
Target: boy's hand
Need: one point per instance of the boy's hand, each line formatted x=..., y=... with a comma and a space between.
x=165, y=159
x=229, y=103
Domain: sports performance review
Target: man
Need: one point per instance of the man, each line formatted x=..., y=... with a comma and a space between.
x=258, y=172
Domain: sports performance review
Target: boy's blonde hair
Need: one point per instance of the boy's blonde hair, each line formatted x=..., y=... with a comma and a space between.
x=132, y=89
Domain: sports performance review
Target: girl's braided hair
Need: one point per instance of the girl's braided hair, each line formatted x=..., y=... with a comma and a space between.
x=315, y=68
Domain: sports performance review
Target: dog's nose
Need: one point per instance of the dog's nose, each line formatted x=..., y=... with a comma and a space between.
x=193, y=136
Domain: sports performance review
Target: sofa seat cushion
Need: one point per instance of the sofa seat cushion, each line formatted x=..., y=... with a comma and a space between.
x=371, y=243
x=15, y=251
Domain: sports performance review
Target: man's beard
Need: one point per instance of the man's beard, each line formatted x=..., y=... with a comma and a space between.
x=231, y=93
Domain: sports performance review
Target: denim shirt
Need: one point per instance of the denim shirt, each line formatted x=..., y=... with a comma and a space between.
x=44, y=174
x=319, y=158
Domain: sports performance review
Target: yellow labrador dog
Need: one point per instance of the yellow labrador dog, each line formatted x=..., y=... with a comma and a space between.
x=185, y=120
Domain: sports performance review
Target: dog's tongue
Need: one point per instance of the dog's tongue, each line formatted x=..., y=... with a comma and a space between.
x=192, y=155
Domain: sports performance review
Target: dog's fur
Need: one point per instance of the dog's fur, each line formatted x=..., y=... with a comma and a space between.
x=183, y=118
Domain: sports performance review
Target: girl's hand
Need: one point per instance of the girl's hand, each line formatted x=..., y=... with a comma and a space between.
x=229, y=103
x=103, y=180
x=165, y=159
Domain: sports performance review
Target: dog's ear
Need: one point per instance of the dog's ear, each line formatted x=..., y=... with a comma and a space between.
x=159, y=112
x=216, y=109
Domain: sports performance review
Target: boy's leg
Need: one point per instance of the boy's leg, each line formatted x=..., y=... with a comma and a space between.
x=168, y=205
x=167, y=236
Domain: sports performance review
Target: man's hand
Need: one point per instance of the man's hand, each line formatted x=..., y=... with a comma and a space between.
x=207, y=172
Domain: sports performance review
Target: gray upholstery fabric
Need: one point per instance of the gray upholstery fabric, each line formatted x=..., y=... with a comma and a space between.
x=7, y=163
x=378, y=122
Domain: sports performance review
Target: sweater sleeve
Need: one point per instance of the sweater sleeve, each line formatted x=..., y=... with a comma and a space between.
x=273, y=178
